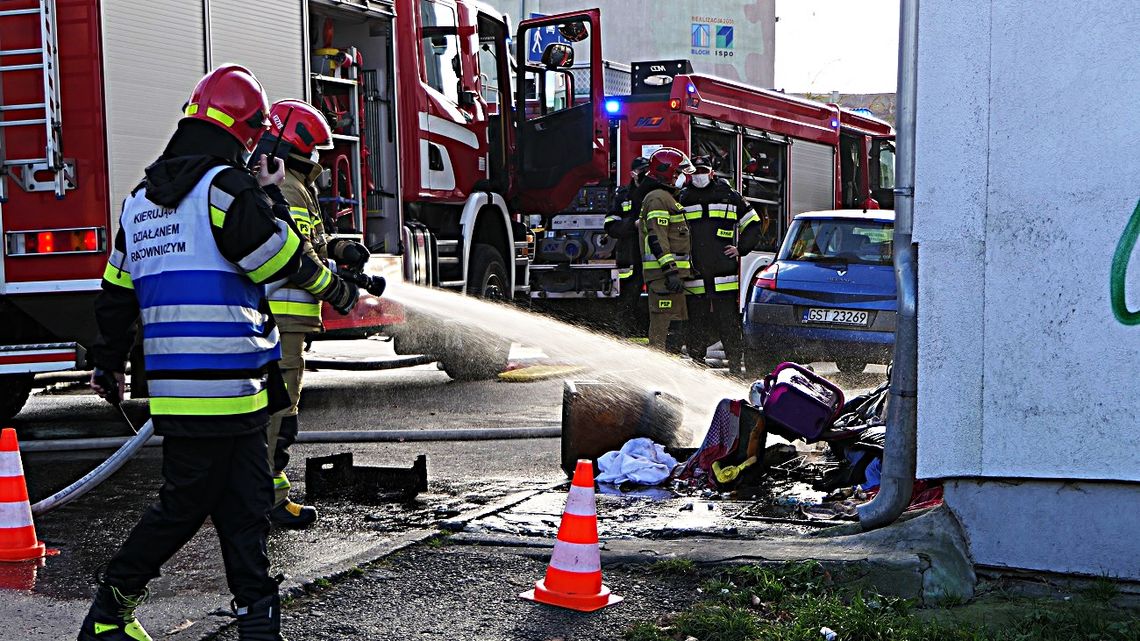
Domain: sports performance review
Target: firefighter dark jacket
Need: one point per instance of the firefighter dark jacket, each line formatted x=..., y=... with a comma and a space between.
x=714, y=214
x=621, y=223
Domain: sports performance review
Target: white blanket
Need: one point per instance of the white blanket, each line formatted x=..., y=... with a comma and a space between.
x=639, y=461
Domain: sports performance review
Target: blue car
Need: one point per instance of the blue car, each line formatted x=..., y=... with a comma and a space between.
x=828, y=296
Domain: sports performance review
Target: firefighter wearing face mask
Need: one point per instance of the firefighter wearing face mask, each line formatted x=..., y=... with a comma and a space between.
x=722, y=227
x=664, y=242
x=621, y=224
x=297, y=133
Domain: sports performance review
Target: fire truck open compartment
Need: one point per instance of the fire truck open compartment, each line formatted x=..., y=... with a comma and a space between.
x=363, y=117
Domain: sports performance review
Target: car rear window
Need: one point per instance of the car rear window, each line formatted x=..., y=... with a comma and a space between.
x=832, y=239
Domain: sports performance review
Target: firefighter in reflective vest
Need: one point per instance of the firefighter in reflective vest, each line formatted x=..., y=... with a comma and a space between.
x=664, y=242
x=621, y=224
x=199, y=239
x=723, y=227
x=297, y=133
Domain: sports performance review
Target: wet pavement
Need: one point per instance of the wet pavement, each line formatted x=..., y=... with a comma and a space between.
x=465, y=479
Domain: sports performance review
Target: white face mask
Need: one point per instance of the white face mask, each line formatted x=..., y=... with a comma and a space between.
x=680, y=182
x=700, y=181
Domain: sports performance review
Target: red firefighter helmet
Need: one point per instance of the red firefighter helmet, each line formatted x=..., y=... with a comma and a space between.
x=301, y=127
x=666, y=164
x=231, y=98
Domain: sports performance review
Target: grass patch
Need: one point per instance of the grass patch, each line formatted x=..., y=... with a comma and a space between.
x=673, y=567
x=791, y=602
x=322, y=584
x=438, y=540
x=1102, y=590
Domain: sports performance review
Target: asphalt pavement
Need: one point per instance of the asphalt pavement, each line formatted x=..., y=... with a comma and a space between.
x=467, y=480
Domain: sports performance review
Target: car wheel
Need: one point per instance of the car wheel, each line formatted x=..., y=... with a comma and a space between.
x=14, y=391
x=851, y=365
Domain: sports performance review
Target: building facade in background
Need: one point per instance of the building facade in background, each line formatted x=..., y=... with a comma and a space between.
x=733, y=39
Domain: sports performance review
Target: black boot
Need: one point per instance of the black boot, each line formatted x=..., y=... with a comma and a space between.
x=112, y=617
x=260, y=621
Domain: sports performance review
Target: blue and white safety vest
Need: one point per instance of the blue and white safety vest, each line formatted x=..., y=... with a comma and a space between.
x=205, y=341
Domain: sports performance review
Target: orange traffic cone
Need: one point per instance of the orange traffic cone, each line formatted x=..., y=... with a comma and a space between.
x=574, y=575
x=17, y=533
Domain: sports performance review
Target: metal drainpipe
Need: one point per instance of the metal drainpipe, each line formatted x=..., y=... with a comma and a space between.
x=897, y=483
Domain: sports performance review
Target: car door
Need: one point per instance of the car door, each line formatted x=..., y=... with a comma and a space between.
x=563, y=140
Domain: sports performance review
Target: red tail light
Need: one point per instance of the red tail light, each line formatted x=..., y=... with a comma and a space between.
x=83, y=240
x=766, y=279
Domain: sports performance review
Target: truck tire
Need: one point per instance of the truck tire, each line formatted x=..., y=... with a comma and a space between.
x=14, y=391
x=487, y=275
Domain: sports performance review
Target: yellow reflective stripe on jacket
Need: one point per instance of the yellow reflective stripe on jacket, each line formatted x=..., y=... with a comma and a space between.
x=748, y=220
x=677, y=218
x=319, y=284
x=217, y=217
x=117, y=276
x=274, y=264
x=219, y=406
x=665, y=258
x=291, y=308
x=627, y=205
x=611, y=219
x=727, y=287
x=304, y=220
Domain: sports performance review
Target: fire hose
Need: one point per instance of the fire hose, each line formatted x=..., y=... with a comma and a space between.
x=132, y=445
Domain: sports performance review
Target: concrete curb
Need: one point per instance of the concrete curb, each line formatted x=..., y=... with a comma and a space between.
x=924, y=558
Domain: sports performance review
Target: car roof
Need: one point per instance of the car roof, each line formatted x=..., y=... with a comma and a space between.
x=878, y=215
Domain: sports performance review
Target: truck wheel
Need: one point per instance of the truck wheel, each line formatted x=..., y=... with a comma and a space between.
x=469, y=354
x=14, y=390
x=487, y=276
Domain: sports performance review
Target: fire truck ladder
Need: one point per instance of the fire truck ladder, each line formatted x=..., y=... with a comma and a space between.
x=46, y=114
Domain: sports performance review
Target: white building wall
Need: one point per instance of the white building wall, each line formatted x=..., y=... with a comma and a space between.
x=638, y=30
x=1027, y=174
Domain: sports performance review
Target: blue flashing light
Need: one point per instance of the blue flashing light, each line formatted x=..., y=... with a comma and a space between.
x=692, y=88
x=613, y=106
x=834, y=123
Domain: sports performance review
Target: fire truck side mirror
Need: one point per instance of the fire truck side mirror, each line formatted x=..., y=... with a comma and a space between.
x=558, y=56
x=467, y=98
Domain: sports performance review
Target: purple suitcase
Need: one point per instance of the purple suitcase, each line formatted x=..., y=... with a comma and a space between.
x=800, y=400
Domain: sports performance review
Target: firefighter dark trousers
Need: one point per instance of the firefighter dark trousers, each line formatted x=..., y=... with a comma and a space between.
x=713, y=318
x=634, y=313
x=225, y=479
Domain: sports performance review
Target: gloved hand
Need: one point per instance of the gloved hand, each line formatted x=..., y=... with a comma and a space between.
x=673, y=283
x=108, y=385
x=349, y=253
x=342, y=295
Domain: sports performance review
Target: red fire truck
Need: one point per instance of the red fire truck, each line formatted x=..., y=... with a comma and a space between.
x=430, y=169
x=785, y=154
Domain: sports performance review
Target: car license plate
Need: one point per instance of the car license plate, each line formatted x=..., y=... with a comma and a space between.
x=836, y=316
